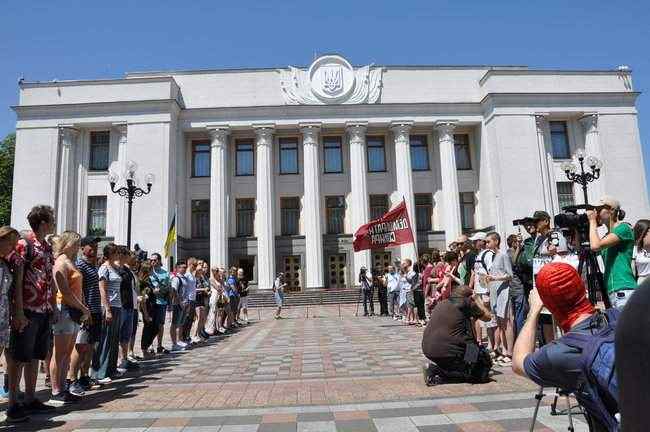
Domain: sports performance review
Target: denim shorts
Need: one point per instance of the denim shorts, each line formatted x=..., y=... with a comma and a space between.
x=126, y=324
x=279, y=298
x=178, y=315
x=64, y=325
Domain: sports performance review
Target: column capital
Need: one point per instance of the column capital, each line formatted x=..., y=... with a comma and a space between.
x=401, y=127
x=357, y=132
x=589, y=122
x=218, y=134
x=121, y=127
x=68, y=134
x=446, y=127
x=541, y=120
x=264, y=134
x=310, y=133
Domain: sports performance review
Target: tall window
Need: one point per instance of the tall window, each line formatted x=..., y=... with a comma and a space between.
x=560, y=140
x=200, y=158
x=333, y=154
x=376, y=153
x=423, y=211
x=288, y=156
x=565, y=195
x=378, y=206
x=96, y=216
x=290, y=215
x=244, y=160
x=99, y=145
x=467, y=208
x=419, y=153
x=200, y=219
x=461, y=148
x=245, y=217
x=335, y=214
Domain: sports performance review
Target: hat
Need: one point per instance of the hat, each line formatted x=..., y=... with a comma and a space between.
x=609, y=201
x=540, y=215
x=480, y=235
x=562, y=291
x=90, y=240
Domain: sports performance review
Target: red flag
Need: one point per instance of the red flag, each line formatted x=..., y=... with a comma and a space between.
x=392, y=229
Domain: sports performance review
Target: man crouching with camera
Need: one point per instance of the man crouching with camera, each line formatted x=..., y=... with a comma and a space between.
x=559, y=364
x=449, y=342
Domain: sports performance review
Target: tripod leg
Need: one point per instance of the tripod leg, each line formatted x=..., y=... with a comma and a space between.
x=554, y=404
x=356, y=311
x=568, y=404
x=539, y=397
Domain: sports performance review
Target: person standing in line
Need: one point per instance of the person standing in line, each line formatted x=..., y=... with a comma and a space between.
x=380, y=287
x=134, y=267
x=242, y=284
x=202, y=286
x=407, y=281
x=418, y=294
x=427, y=271
x=641, y=254
x=126, y=315
x=148, y=307
x=161, y=283
x=90, y=331
x=216, y=289
x=110, y=281
x=71, y=311
x=482, y=264
x=391, y=279
x=33, y=302
x=499, y=278
x=278, y=291
x=8, y=240
x=180, y=306
x=365, y=281
x=190, y=295
x=231, y=285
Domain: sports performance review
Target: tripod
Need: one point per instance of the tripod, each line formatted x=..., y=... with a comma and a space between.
x=554, y=412
x=592, y=274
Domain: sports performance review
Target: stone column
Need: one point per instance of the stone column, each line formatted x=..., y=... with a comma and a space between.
x=360, y=210
x=449, y=175
x=404, y=177
x=264, y=208
x=65, y=206
x=312, y=213
x=596, y=189
x=547, y=171
x=219, y=196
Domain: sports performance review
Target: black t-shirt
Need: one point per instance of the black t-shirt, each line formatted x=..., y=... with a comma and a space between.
x=449, y=329
x=243, y=287
x=470, y=259
x=126, y=287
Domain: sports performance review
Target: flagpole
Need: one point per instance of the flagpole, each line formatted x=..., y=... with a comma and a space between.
x=413, y=233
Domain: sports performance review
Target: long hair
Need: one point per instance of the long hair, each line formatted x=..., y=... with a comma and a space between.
x=7, y=231
x=63, y=241
x=144, y=271
x=641, y=228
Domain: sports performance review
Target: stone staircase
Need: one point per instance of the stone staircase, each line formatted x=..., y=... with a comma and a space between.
x=315, y=297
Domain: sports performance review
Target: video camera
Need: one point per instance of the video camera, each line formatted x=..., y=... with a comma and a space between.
x=573, y=221
x=523, y=221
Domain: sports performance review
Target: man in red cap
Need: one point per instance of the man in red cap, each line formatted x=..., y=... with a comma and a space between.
x=561, y=290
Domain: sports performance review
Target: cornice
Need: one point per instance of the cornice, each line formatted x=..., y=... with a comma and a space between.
x=109, y=81
x=530, y=72
x=567, y=97
x=156, y=105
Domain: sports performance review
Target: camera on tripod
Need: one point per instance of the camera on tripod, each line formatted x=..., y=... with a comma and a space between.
x=576, y=222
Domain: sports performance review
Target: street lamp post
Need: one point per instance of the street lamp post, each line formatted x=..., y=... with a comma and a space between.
x=583, y=178
x=130, y=191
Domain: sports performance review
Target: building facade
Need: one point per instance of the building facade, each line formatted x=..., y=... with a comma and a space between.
x=274, y=169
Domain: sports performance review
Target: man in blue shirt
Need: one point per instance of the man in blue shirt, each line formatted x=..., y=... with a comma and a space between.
x=161, y=282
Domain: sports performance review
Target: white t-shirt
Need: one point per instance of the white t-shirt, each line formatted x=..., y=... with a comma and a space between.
x=480, y=270
x=190, y=287
x=404, y=283
x=642, y=262
x=279, y=285
x=392, y=282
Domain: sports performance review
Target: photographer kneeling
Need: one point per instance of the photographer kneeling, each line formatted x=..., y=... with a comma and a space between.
x=616, y=249
x=560, y=364
x=449, y=342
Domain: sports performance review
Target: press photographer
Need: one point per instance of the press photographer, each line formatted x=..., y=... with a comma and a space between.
x=568, y=364
x=366, y=284
x=616, y=249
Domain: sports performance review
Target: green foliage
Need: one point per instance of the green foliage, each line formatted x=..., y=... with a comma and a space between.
x=7, y=152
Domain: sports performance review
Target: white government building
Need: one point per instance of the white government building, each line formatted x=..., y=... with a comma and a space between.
x=274, y=169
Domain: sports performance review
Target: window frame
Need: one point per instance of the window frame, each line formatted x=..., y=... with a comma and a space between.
x=88, y=214
x=90, y=150
x=385, y=204
x=560, y=195
x=339, y=139
x=194, y=152
x=239, y=233
x=429, y=209
x=327, y=213
x=238, y=143
x=295, y=141
x=383, y=148
x=468, y=146
x=565, y=124
x=193, y=204
x=425, y=138
x=292, y=209
x=462, y=206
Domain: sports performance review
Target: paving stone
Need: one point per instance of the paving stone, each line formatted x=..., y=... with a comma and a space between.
x=355, y=426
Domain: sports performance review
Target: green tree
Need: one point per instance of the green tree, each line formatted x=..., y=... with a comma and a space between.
x=7, y=152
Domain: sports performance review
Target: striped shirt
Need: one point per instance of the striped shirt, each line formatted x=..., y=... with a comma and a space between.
x=90, y=285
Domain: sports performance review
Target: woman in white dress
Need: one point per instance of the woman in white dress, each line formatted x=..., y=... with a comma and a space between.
x=641, y=253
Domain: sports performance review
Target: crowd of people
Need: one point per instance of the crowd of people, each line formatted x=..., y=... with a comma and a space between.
x=77, y=315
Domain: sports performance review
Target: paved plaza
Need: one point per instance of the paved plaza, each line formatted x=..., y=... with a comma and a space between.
x=320, y=369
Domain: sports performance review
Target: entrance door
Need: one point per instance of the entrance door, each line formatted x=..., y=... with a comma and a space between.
x=336, y=271
x=381, y=260
x=292, y=272
x=246, y=263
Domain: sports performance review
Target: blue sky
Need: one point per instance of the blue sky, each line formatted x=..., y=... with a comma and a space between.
x=72, y=40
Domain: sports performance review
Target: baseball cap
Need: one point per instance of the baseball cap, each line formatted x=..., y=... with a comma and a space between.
x=480, y=235
x=609, y=201
x=541, y=214
x=89, y=240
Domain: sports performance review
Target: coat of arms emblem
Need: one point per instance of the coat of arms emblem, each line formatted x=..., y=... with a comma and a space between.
x=332, y=79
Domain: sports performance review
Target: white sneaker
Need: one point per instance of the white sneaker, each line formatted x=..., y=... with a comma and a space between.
x=197, y=339
x=104, y=381
x=395, y=318
x=121, y=371
x=181, y=344
x=177, y=347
